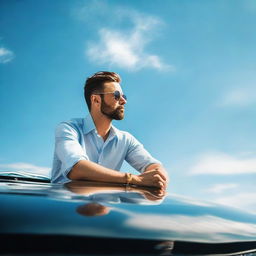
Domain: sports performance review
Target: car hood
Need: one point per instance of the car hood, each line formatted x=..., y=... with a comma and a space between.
x=116, y=211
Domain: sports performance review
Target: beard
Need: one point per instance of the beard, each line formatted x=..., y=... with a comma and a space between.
x=116, y=114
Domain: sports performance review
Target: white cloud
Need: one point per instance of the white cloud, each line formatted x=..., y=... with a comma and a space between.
x=245, y=201
x=223, y=164
x=220, y=188
x=25, y=167
x=5, y=55
x=194, y=228
x=125, y=47
x=239, y=97
x=125, y=51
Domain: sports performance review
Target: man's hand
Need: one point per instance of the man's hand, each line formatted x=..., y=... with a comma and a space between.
x=153, y=176
x=161, y=169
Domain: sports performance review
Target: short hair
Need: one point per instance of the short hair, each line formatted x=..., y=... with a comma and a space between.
x=96, y=83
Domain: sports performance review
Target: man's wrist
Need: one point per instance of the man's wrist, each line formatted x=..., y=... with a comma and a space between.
x=128, y=178
x=131, y=179
x=135, y=179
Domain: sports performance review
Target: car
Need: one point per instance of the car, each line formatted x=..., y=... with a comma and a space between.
x=92, y=218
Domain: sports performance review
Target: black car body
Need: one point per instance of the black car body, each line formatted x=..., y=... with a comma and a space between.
x=89, y=218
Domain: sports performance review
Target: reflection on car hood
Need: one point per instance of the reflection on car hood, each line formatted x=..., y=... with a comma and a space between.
x=104, y=210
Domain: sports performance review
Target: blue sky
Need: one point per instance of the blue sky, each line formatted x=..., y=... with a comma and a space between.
x=187, y=67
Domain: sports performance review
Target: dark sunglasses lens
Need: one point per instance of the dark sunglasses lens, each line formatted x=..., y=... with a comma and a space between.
x=117, y=95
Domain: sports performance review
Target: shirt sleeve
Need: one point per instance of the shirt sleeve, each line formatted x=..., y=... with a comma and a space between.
x=68, y=149
x=138, y=157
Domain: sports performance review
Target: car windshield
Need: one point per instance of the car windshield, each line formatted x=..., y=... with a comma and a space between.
x=22, y=175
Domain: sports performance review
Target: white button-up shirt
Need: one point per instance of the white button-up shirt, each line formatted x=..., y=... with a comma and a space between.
x=78, y=139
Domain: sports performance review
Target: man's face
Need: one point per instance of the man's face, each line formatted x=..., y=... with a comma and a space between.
x=111, y=107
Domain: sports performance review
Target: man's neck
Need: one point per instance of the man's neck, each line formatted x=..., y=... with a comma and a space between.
x=102, y=124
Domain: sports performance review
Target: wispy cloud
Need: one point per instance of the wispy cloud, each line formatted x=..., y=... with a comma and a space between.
x=223, y=164
x=220, y=188
x=241, y=97
x=123, y=39
x=25, y=167
x=122, y=50
x=6, y=55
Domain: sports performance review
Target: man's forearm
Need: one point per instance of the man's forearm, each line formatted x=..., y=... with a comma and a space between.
x=87, y=170
x=152, y=166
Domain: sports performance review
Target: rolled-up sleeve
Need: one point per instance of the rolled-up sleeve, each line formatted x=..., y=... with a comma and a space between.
x=68, y=149
x=137, y=156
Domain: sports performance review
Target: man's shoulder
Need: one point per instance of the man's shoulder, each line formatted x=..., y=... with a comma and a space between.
x=72, y=124
x=123, y=134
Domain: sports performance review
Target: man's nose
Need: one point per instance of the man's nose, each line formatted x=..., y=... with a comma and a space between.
x=122, y=100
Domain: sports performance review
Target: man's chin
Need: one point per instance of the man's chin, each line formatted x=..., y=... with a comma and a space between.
x=116, y=115
x=119, y=117
x=119, y=114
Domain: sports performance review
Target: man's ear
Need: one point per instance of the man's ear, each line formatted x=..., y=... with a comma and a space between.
x=95, y=100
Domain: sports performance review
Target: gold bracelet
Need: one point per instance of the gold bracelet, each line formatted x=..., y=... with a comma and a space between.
x=128, y=178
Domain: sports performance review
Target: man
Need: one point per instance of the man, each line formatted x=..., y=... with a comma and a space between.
x=93, y=149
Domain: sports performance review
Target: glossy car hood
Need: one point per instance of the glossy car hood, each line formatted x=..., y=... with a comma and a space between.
x=112, y=211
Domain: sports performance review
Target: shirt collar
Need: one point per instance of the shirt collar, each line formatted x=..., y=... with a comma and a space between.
x=113, y=132
x=90, y=126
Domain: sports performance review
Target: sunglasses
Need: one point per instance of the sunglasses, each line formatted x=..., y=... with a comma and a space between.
x=117, y=95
